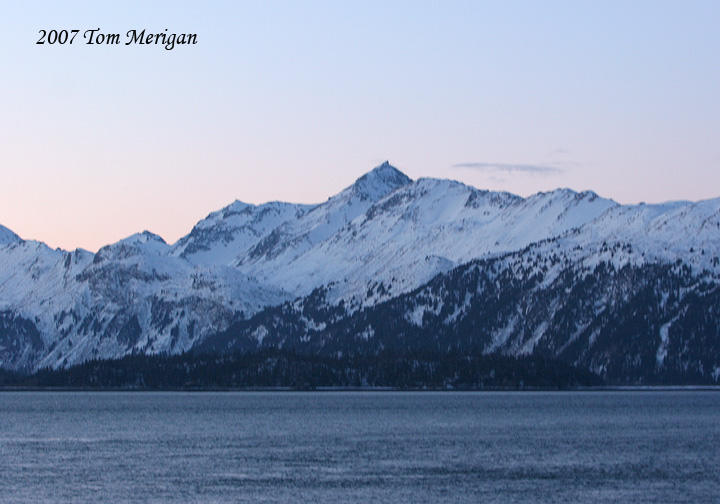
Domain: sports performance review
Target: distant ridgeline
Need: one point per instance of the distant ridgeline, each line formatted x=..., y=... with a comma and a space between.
x=430, y=277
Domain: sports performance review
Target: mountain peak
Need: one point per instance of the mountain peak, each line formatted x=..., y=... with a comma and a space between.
x=144, y=237
x=379, y=182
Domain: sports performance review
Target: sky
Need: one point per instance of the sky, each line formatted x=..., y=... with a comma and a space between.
x=293, y=101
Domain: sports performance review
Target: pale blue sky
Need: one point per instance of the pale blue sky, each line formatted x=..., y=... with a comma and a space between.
x=294, y=100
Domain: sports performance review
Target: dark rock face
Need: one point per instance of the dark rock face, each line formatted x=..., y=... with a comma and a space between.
x=20, y=340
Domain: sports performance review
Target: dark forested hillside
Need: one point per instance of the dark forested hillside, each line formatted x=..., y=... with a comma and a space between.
x=272, y=368
x=634, y=324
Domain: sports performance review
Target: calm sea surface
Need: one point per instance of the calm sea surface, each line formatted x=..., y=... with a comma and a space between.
x=338, y=447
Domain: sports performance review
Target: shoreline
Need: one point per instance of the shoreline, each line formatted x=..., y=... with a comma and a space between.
x=628, y=388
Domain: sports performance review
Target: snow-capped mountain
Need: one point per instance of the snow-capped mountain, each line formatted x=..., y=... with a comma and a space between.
x=130, y=296
x=384, y=229
x=306, y=275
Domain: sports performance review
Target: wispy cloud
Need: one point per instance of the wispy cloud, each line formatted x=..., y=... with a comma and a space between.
x=560, y=151
x=511, y=168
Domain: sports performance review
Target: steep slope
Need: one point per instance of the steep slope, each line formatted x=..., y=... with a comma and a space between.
x=130, y=296
x=36, y=283
x=227, y=234
x=7, y=237
x=607, y=309
x=243, y=234
x=286, y=247
x=405, y=238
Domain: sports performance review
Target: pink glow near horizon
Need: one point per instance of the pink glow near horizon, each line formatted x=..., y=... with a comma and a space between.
x=293, y=101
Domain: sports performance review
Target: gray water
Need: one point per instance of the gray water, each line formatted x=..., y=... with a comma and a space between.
x=338, y=447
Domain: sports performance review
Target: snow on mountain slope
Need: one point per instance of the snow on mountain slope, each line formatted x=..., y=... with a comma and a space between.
x=130, y=296
x=383, y=232
x=681, y=228
x=382, y=236
x=7, y=236
x=603, y=306
x=31, y=273
x=665, y=232
x=290, y=241
x=142, y=299
x=417, y=231
x=36, y=283
x=231, y=232
x=241, y=233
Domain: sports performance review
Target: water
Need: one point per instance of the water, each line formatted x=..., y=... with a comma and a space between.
x=574, y=447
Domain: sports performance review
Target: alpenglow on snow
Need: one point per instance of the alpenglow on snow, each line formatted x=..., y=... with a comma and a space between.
x=453, y=266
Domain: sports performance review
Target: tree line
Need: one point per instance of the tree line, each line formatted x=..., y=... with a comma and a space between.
x=286, y=369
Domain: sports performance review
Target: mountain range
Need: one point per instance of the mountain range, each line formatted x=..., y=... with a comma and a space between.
x=389, y=264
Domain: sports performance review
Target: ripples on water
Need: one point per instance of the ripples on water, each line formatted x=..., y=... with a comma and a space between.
x=337, y=447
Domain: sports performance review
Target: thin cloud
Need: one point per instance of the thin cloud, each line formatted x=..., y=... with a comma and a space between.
x=511, y=168
x=560, y=151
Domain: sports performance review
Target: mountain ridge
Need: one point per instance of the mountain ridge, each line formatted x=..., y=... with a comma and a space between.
x=379, y=239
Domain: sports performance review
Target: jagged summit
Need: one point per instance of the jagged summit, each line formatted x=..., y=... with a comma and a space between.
x=379, y=182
